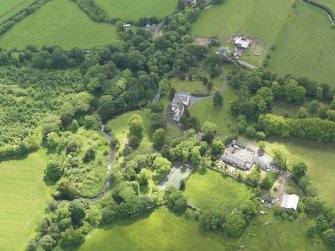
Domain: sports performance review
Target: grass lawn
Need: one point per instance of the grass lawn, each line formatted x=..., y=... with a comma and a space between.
x=302, y=35
x=23, y=196
x=212, y=190
x=9, y=8
x=134, y=9
x=320, y=159
x=205, y=111
x=269, y=232
x=59, y=22
x=160, y=230
x=195, y=85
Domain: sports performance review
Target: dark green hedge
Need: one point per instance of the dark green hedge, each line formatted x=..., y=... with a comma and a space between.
x=323, y=7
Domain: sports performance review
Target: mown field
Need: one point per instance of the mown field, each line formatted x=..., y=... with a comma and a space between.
x=177, y=233
x=301, y=34
x=320, y=159
x=9, y=8
x=160, y=230
x=134, y=9
x=205, y=111
x=59, y=22
x=23, y=196
x=212, y=190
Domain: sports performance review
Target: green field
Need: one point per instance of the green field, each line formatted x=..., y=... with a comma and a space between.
x=320, y=159
x=205, y=111
x=23, y=196
x=302, y=35
x=195, y=85
x=134, y=9
x=329, y=3
x=9, y=8
x=212, y=190
x=59, y=22
x=160, y=230
x=307, y=44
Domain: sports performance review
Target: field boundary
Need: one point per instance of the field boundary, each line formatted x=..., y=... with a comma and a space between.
x=323, y=8
x=15, y=7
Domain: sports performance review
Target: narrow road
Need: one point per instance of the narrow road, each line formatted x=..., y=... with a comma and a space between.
x=250, y=66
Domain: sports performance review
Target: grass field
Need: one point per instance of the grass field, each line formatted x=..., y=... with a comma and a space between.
x=23, y=196
x=9, y=8
x=134, y=9
x=329, y=3
x=320, y=159
x=160, y=230
x=195, y=85
x=59, y=22
x=205, y=111
x=302, y=35
x=212, y=190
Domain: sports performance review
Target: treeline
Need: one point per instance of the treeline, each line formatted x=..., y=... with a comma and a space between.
x=94, y=11
x=315, y=129
x=10, y=22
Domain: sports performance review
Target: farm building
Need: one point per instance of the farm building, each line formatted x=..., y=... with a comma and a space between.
x=242, y=42
x=223, y=51
x=268, y=200
x=178, y=106
x=239, y=157
x=290, y=201
x=150, y=27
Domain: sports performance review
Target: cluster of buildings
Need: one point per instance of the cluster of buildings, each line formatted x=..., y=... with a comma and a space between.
x=288, y=201
x=178, y=106
x=148, y=27
x=241, y=44
x=242, y=157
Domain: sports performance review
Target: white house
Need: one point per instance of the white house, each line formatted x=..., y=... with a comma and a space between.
x=290, y=201
x=178, y=106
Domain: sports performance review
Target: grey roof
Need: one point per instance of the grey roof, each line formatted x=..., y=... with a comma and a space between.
x=268, y=198
x=185, y=99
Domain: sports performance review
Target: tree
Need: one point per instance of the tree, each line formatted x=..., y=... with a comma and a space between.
x=250, y=132
x=212, y=219
x=77, y=212
x=161, y=165
x=299, y=169
x=164, y=86
x=47, y=243
x=234, y=225
x=172, y=93
x=159, y=138
x=51, y=124
x=314, y=106
x=65, y=189
x=261, y=146
x=217, y=147
x=72, y=238
x=135, y=130
x=279, y=158
x=175, y=200
x=181, y=4
x=209, y=129
x=329, y=236
x=54, y=170
x=217, y=100
x=302, y=113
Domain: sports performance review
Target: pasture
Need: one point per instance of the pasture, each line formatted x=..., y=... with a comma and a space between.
x=320, y=159
x=9, y=8
x=23, y=196
x=59, y=22
x=196, y=85
x=301, y=35
x=134, y=9
x=160, y=230
x=212, y=190
x=205, y=111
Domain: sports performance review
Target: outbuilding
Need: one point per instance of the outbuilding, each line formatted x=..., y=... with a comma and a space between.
x=290, y=201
